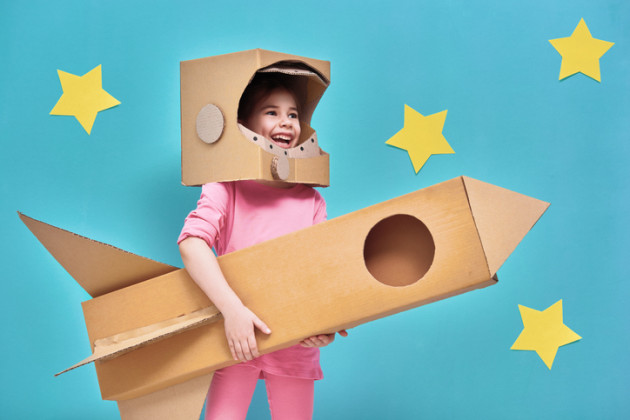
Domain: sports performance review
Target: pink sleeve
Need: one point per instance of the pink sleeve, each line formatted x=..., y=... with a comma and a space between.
x=207, y=219
x=320, y=209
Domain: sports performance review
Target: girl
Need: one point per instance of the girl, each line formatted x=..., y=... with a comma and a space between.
x=235, y=215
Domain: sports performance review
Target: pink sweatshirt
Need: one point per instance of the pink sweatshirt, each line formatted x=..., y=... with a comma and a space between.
x=234, y=215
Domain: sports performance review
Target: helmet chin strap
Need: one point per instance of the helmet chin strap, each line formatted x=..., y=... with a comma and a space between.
x=308, y=148
x=280, y=166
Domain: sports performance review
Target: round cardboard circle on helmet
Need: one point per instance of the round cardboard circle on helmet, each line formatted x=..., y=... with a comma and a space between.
x=280, y=167
x=210, y=123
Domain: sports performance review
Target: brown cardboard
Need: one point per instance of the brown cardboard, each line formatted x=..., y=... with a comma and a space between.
x=375, y=262
x=179, y=402
x=118, y=344
x=99, y=268
x=213, y=147
x=501, y=227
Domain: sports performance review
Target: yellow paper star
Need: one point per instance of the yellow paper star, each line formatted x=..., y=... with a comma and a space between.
x=580, y=52
x=421, y=137
x=83, y=97
x=543, y=332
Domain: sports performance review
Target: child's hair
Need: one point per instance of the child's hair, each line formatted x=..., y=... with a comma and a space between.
x=261, y=86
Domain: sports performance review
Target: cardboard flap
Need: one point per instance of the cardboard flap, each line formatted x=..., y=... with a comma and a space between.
x=99, y=268
x=502, y=217
x=119, y=344
x=179, y=402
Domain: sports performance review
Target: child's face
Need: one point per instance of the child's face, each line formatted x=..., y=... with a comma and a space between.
x=276, y=118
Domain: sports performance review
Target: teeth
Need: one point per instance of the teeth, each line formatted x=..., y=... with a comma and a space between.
x=281, y=138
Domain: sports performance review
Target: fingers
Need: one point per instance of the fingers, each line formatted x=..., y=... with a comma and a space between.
x=243, y=346
x=321, y=340
x=232, y=350
x=261, y=326
x=237, y=351
x=246, y=348
x=252, y=348
x=239, y=330
x=243, y=350
x=307, y=343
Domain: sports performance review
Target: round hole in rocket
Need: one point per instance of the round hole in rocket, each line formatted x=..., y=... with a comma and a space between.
x=399, y=250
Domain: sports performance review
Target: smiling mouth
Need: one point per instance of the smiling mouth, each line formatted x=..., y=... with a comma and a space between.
x=282, y=140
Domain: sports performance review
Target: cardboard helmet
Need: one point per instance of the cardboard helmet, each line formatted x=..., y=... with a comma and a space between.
x=215, y=147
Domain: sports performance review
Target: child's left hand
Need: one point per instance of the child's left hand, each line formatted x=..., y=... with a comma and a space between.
x=322, y=340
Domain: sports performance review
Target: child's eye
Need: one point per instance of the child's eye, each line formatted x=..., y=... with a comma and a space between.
x=293, y=115
x=270, y=113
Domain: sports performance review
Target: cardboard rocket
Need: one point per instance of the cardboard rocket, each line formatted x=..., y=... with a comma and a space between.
x=154, y=334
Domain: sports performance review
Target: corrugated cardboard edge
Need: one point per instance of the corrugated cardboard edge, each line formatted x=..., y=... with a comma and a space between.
x=119, y=344
x=98, y=267
x=503, y=218
x=179, y=402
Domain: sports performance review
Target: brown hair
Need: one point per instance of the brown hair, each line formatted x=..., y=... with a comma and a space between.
x=259, y=89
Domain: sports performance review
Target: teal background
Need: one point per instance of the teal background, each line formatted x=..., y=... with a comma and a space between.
x=510, y=122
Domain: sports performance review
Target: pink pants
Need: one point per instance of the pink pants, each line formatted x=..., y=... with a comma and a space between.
x=232, y=388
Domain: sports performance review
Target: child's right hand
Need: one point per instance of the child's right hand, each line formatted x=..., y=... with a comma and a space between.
x=240, y=323
x=203, y=267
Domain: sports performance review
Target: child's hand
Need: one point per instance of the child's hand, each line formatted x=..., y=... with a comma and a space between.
x=239, y=330
x=322, y=340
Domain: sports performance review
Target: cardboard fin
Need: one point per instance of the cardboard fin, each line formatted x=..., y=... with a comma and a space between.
x=502, y=217
x=179, y=402
x=99, y=268
x=119, y=344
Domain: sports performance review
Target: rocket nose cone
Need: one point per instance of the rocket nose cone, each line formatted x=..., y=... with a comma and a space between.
x=502, y=217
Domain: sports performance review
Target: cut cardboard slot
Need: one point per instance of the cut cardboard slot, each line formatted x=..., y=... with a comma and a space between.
x=215, y=149
x=406, y=252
